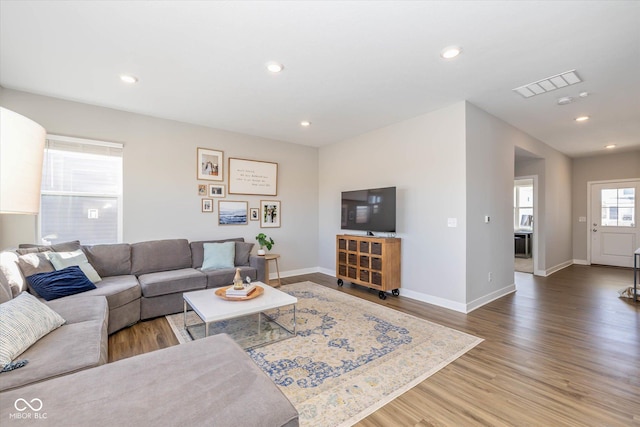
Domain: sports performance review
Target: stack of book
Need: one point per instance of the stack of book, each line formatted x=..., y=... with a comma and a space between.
x=248, y=289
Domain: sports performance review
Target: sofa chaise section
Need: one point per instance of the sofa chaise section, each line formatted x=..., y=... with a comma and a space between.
x=207, y=382
x=80, y=343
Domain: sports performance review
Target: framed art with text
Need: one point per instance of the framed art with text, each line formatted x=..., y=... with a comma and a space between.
x=253, y=177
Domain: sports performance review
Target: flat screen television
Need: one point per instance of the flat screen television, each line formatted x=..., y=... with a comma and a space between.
x=369, y=210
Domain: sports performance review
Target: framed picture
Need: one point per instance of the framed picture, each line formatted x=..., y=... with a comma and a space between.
x=216, y=190
x=255, y=214
x=270, y=213
x=207, y=205
x=232, y=213
x=253, y=177
x=210, y=164
x=202, y=190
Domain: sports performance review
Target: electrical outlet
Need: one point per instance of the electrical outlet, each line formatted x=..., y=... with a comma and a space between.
x=490, y=276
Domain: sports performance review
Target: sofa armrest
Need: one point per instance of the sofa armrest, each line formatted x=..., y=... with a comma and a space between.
x=258, y=262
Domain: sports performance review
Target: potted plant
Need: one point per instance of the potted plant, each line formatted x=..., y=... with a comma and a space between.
x=264, y=241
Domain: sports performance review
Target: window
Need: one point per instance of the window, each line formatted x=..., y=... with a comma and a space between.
x=618, y=207
x=523, y=205
x=81, y=191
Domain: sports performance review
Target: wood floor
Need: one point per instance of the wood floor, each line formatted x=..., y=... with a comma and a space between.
x=562, y=350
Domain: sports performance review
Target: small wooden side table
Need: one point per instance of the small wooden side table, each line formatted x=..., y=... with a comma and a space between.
x=267, y=258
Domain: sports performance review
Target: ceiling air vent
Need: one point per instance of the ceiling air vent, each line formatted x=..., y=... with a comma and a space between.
x=549, y=84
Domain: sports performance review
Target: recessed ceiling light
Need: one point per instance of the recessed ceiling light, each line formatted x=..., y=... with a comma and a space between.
x=582, y=118
x=451, y=52
x=128, y=78
x=610, y=146
x=305, y=123
x=274, y=67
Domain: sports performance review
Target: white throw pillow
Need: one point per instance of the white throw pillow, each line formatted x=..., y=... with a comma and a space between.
x=62, y=260
x=219, y=255
x=24, y=321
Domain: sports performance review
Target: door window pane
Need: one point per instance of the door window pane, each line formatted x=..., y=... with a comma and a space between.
x=618, y=207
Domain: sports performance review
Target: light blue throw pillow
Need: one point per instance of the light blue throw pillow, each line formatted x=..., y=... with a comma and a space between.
x=62, y=260
x=219, y=255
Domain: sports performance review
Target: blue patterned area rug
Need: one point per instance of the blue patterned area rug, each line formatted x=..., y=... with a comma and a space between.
x=350, y=356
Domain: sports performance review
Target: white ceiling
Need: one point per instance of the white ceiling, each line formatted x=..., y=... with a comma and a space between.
x=350, y=67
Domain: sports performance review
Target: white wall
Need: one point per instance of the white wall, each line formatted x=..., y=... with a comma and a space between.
x=490, y=172
x=160, y=186
x=457, y=162
x=424, y=158
x=596, y=168
x=554, y=201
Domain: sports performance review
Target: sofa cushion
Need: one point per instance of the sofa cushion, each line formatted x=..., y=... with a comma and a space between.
x=61, y=283
x=62, y=260
x=159, y=255
x=79, y=344
x=219, y=255
x=243, y=251
x=110, y=260
x=34, y=263
x=197, y=250
x=171, y=282
x=217, y=278
x=119, y=290
x=158, y=388
x=24, y=321
x=5, y=289
x=11, y=272
x=27, y=248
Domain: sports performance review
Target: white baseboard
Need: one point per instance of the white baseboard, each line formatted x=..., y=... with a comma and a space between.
x=289, y=273
x=430, y=299
x=558, y=267
x=581, y=262
x=490, y=297
x=419, y=296
x=327, y=271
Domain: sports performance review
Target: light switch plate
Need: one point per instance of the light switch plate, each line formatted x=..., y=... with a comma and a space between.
x=452, y=222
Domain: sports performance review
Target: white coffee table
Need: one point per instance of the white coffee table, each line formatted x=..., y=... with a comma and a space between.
x=211, y=308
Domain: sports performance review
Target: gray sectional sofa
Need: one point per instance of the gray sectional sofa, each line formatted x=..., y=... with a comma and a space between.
x=67, y=368
x=140, y=280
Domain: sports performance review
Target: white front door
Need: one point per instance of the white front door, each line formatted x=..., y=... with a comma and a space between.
x=614, y=230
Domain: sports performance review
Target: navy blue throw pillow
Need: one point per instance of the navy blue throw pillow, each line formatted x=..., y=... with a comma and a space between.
x=60, y=283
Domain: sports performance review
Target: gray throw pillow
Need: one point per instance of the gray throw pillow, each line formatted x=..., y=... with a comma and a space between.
x=243, y=251
x=26, y=248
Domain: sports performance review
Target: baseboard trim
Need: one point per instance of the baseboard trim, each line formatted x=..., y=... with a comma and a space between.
x=327, y=271
x=430, y=299
x=550, y=271
x=581, y=262
x=290, y=273
x=490, y=297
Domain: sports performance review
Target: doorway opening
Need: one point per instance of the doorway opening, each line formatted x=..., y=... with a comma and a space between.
x=523, y=224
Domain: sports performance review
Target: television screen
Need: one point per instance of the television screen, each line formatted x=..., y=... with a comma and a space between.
x=369, y=210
